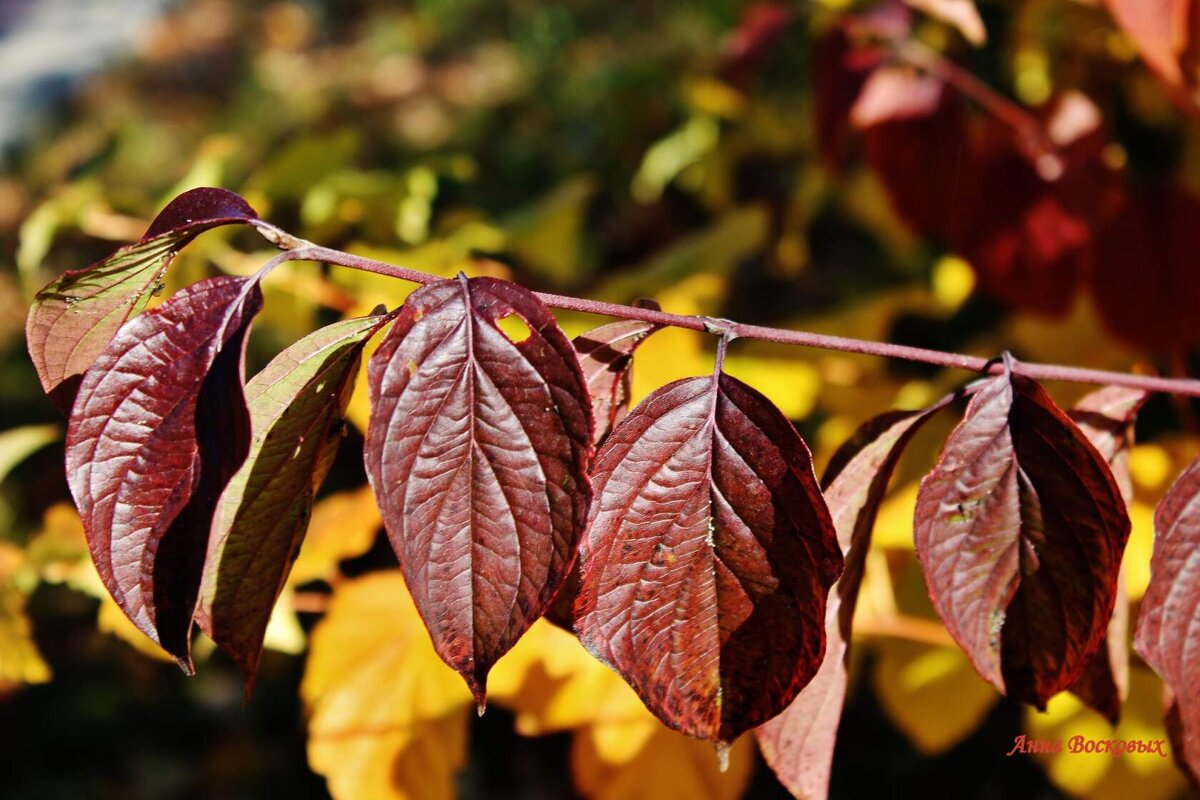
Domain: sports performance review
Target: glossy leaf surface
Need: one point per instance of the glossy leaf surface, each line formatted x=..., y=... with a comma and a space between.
x=798, y=744
x=1020, y=530
x=297, y=404
x=159, y=427
x=75, y=316
x=708, y=558
x=477, y=450
x=1170, y=610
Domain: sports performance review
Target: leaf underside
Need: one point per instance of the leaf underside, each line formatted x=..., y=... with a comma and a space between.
x=297, y=404
x=708, y=558
x=1170, y=610
x=158, y=428
x=477, y=450
x=75, y=316
x=1019, y=530
x=798, y=744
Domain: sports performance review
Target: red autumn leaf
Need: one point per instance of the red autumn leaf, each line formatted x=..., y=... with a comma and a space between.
x=1145, y=281
x=708, y=558
x=297, y=403
x=1170, y=610
x=74, y=317
x=1185, y=758
x=158, y=428
x=477, y=450
x=1031, y=212
x=1019, y=530
x=922, y=155
x=798, y=743
x=606, y=354
x=1106, y=417
x=761, y=27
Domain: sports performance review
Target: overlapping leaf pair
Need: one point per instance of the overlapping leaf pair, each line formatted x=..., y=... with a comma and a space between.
x=695, y=545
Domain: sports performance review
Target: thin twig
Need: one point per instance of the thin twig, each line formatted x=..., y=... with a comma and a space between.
x=301, y=250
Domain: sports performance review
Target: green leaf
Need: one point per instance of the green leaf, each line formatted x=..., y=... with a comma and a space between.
x=297, y=405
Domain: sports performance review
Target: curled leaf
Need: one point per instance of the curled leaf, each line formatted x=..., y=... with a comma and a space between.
x=606, y=354
x=798, y=744
x=296, y=404
x=1170, y=610
x=74, y=317
x=1106, y=417
x=477, y=450
x=708, y=558
x=159, y=427
x=1020, y=529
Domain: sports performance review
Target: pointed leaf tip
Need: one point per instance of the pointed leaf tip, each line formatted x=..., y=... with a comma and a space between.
x=706, y=501
x=477, y=451
x=159, y=427
x=1020, y=529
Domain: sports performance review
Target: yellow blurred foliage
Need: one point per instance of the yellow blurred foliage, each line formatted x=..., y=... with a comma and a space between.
x=388, y=719
x=20, y=661
x=932, y=694
x=343, y=525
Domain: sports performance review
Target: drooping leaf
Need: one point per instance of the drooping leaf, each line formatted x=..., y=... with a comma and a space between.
x=1170, y=610
x=74, y=317
x=798, y=743
x=477, y=449
x=708, y=558
x=297, y=404
x=1020, y=529
x=386, y=718
x=1106, y=417
x=159, y=427
x=606, y=354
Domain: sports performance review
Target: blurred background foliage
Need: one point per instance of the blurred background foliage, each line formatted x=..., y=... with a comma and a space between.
x=680, y=151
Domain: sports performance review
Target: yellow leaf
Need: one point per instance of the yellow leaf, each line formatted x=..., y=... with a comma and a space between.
x=640, y=759
x=1100, y=776
x=20, y=661
x=893, y=526
x=914, y=683
x=343, y=525
x=387, y=719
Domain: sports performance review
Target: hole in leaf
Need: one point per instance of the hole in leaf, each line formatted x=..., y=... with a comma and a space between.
x=514, y=328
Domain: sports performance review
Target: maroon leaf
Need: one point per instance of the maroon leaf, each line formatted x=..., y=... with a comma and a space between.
x=74, y=317
x=158, y=428
x=1106, y=417
x=1170, y=610
x=708, y=558
x=477, y=450
x=798, y=744
x=1145, y=282
x=606, y=354
x=1185, y=757
x=297, y=404
x=1020, y=530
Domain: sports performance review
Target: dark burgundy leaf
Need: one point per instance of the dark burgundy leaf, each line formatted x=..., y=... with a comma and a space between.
x=297, y=404
x=798, y=744
x=708, y=558
x=1106, y=417
x=1185, y=757
x=1020, y=530
x=606, y=354
x=1146, y=283
x=477, y=450
x=1170, y=611
x=925, y=163
x=74, y=317
x=158, y=428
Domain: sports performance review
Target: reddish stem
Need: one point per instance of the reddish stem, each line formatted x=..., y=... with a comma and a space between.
x=1046, y=372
